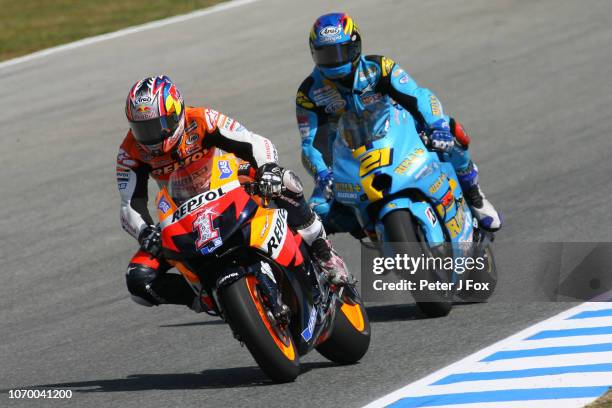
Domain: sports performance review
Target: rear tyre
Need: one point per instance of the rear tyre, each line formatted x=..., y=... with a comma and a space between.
x=272, y=348
x=401, y=231
x=350, y=336
x=487, y=276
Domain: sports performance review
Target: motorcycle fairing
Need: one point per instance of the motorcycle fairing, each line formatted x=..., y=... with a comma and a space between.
x=271, y=234
x=194, y=227
x=421, y=211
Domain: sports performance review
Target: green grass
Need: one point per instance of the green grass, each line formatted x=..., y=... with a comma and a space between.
x=31, y=25
x=605, y=401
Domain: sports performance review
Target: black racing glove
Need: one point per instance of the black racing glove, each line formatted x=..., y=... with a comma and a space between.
x=270, y=179
x=150, y=240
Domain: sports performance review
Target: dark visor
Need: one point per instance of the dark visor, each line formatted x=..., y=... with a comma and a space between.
x=336, y=54
x=153, y=131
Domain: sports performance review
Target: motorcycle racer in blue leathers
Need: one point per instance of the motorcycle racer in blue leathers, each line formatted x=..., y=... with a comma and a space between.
x=345, y=80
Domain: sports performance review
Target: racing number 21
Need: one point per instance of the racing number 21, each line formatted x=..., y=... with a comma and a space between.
x=374, y=159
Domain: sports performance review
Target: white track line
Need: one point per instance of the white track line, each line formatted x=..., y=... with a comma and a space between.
x=537, y=362
x=548, y=381
x=422, y=386
x=126, y=31
x=561, y=342
x=559, y=403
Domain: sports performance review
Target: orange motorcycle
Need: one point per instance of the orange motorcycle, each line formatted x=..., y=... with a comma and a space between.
x=248, y=267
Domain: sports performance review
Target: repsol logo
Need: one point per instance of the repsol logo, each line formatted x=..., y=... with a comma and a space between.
x=170, y=168
x=197, y=202
x=277, y=234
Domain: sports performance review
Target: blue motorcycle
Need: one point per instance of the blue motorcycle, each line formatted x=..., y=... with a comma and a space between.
x=408, y=201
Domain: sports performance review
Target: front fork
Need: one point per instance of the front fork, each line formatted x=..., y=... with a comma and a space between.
x=279, y=312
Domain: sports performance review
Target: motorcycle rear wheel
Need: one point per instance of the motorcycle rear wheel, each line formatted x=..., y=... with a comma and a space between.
x=350, y=335
x=272, y=348
x=487, y=276
x=401, y=229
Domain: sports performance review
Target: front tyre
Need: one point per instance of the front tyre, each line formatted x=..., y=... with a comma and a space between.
x=350, y=334
x=401, y=232
x=271, y=347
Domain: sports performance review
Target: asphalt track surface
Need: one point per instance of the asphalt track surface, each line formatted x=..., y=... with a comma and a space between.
x=530, y=79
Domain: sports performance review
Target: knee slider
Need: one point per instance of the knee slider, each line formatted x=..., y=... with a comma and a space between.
x=138, y=280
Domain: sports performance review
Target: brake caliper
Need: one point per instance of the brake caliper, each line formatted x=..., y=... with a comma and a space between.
x=278, y=312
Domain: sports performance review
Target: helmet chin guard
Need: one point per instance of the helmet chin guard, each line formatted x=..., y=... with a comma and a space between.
x=173, y=140
x=337, y=72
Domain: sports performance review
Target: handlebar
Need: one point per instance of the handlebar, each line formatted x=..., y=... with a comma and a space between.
x=425, y=139
x=253, y=188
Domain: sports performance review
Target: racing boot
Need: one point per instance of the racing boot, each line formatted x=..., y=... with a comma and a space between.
x=487, y=216
x=321, y=249
x=334, y=267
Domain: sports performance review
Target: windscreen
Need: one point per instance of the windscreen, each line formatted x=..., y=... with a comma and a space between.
x=358, y=129
x=189, y=181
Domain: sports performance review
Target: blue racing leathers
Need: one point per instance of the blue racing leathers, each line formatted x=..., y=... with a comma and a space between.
x=320, y=102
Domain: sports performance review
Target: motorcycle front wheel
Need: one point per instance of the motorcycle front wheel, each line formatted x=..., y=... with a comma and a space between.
x=401, y=232
x=272, y=347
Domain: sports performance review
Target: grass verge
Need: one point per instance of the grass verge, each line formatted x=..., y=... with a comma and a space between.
x=31, y=25
x=605, y=401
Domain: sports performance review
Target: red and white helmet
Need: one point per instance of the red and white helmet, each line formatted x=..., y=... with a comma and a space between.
x=156, y=112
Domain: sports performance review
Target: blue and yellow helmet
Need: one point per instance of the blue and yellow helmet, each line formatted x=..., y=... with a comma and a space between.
x=335, y=44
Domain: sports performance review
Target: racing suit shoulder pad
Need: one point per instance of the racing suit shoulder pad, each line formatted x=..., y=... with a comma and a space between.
x=209, y=116
x=195, y=111
x=302, y=97
x=129, y=154
x=386, y=64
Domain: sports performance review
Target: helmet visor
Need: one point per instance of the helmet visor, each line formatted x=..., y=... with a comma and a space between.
x=153, y=131
x=336, y=54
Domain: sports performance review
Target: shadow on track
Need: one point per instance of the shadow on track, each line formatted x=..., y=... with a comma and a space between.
x=236, y=377
x=401, y=312
x=391, y=313
x=378, y=313
x=201, y=323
